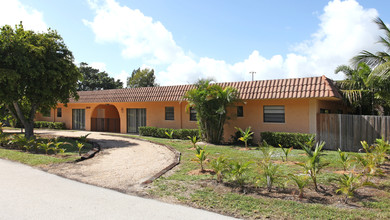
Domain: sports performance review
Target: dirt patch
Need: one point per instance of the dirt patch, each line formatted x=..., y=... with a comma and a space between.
x=201, y=172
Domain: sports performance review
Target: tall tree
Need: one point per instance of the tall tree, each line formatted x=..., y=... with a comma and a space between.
x=142, y=78
x=36, y=73
x=93, y=79
x=210, y=102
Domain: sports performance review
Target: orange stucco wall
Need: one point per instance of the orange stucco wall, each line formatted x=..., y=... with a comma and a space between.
x=300, y=115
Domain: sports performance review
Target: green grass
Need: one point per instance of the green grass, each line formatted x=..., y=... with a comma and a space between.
x=198, y=191
x=35, y=159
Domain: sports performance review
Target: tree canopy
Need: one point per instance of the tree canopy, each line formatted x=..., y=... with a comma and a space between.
x=93, y=79
x=36, y=72
x=210, y=102
x=142, y=78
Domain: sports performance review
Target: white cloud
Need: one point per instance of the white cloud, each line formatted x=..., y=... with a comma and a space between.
x=345, y=29
x=12, y=12
x=140, y=36
x=99, y=65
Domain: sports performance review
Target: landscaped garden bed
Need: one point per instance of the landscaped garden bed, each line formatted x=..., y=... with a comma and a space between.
x=248, y=196
x=43, y=149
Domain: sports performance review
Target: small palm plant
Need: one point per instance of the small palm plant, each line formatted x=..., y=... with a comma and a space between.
x=45, y=146
x=193, y=140
x=267, y=152
x=348, y=184
x=286, y=152
x=238, y=171
x=219, y=166
x=169, y=134
x=301, y=181
x=79, y=146
x=269, y=173
x=83, y=138
x=344, y=159
x=201, y=156
x=313, y=165
x=57, y=147
x=245, y=135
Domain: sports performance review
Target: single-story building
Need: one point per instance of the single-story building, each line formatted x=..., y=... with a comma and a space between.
x=286, y=105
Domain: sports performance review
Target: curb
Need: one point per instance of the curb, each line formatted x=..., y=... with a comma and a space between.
x=95, y=149
x=163, y=171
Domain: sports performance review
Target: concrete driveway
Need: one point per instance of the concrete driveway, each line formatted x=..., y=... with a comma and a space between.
x=29, y=193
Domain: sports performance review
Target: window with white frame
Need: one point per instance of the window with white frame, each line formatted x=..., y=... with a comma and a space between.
x=274, y=114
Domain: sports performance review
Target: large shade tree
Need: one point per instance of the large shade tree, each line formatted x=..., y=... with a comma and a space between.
x=94, y=79
x=210, y=102
x=36, y=72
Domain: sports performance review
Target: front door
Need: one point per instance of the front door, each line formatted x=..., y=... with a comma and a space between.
x=78, y=119
x=136, y=117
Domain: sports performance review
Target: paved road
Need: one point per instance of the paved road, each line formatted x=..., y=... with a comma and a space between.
x=29, y=193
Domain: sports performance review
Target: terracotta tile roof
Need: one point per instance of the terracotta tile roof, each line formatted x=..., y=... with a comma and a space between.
x=312, y=87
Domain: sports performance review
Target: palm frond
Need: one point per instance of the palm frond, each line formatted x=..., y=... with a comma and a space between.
x=367, y=57
x=380, y=74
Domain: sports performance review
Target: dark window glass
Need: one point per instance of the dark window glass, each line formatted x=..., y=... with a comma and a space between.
x=240, y=111
x=325, y=111
x=59, y=112
x=192, y=114
x=169, y=113
x=274, y=114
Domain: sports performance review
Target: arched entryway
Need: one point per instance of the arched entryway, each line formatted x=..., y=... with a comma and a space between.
x=105, y=118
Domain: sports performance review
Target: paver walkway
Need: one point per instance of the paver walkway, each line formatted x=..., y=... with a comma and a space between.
x=29, y=193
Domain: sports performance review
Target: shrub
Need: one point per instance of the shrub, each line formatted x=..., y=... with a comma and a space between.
x=285, y=139
x=47, y=124
x=161, y=132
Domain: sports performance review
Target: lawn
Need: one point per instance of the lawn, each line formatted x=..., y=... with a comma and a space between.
x=201, y=190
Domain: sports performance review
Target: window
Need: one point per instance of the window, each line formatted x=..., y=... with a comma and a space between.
x=240, y=111
x=169, y=113
x=325, y=111
x=46, y=113
x=59, y=112
x=192, y=114
x=274, y=113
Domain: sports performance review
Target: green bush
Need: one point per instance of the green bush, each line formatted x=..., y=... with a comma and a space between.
x=51, y=125
x=285, y=139
x=160, y=132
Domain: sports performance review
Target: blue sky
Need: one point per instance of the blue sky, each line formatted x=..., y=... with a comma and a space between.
x=187, y=40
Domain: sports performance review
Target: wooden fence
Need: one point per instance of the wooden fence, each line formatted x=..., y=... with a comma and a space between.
x=346, y=131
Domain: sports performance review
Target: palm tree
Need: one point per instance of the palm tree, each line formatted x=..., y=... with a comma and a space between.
x=380, y=65
x=210, y=102
x=355, y=87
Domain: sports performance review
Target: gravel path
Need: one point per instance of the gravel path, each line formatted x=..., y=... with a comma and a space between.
x=123, y=163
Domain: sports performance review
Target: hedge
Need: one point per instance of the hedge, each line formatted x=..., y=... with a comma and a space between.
x=47, y=124
x=285, y=139
x=160, y=132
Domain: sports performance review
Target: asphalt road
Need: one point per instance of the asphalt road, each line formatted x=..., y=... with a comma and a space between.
x=29, y=193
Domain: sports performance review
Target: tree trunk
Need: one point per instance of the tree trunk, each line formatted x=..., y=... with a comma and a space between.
x=28, y=122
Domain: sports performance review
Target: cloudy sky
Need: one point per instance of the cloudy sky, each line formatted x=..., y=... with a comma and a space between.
x=224, y=39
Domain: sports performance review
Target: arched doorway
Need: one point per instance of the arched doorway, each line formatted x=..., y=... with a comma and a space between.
x=105, y=118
